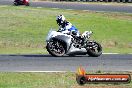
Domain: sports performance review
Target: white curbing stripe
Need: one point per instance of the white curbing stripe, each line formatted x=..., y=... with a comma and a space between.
x=85, y=10
x=69, y=9
x=43, y=71
x=39, y=7
x=3, y=6
x=116, y=53
x=110, y=53
x=55, y=8
x=129, y=5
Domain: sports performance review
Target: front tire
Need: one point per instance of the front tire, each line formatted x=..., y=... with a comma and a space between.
x=55, y=48
x=95, y=51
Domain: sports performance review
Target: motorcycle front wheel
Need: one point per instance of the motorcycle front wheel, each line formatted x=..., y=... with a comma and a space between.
x=95, y=50
x=55, y=48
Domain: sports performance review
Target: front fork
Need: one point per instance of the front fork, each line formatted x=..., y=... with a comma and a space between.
x=91, y=45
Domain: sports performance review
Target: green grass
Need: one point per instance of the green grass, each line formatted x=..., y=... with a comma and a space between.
x=24, y=29
x=48, y=80
x=35, y=80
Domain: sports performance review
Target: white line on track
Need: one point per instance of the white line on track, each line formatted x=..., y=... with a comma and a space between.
x=3, y=6
x=129, y=5
x=39, y=7
x=55, y=8
x=85, y=10
x=116, y=53
x=69, y=9
x=43, y=71
x=110, y=53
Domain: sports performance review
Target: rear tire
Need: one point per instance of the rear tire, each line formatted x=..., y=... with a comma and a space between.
x=54, y=52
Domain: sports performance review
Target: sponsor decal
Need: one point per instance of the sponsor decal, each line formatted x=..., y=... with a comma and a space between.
x=83, y=78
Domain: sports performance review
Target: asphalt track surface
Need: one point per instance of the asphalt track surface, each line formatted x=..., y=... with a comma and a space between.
x=42, y=63
x=77, y=6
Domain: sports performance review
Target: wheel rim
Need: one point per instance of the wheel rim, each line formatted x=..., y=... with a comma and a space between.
x=56, y=47
x=96, y=48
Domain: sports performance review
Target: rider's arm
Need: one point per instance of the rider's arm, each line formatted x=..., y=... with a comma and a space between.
x=68, y=25
x=66, y=32
x=65, y=28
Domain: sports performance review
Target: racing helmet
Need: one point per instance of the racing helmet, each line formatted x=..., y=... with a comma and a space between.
x=60, y=19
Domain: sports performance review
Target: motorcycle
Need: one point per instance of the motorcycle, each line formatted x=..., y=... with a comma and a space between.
x=59, y=44
x=21, y=2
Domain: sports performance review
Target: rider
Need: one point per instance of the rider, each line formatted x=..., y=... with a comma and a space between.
x=67, y=27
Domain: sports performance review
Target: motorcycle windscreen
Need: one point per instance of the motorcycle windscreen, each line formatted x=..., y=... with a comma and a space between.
x=50, y=34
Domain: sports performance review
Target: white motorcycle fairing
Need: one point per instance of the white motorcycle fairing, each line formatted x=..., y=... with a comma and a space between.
x=67, y=39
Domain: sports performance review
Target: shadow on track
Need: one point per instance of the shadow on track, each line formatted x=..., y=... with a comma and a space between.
x=48, y=55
